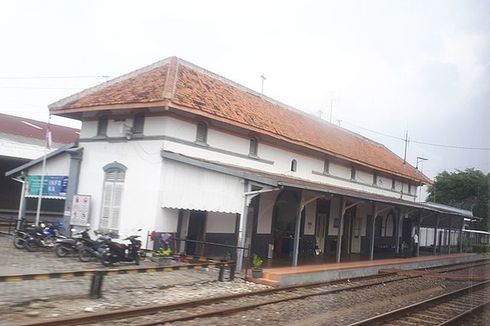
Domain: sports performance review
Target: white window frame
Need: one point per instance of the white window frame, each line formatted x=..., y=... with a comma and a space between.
x=112, y=195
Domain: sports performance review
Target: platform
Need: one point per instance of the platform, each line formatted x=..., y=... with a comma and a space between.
x=284, y=276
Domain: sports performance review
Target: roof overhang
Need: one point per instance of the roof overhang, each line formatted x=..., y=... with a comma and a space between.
x=29, y=164
x=287, y=181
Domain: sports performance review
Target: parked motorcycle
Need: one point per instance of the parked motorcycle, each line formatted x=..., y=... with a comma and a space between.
x=42, y=237
x=92, y=249
x=116, y=252
x=70, y=246
x=22, y=234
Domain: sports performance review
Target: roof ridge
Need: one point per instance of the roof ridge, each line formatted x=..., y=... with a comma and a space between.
x=111, y=82
x=171, y=78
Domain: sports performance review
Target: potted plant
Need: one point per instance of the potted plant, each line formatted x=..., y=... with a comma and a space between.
x=257, y=266
x=162, y=256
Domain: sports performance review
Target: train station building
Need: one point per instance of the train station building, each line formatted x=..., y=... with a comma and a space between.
x=175, y=148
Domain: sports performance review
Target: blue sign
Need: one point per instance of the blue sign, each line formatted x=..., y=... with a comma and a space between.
x=53, y=185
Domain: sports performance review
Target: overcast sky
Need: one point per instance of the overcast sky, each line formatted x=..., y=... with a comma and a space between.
x=389, y=66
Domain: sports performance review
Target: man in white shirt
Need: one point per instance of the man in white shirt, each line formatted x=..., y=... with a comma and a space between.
x=415, y=242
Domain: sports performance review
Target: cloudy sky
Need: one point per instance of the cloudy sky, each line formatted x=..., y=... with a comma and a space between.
x=387, y=66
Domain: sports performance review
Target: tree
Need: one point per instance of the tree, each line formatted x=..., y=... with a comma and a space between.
x=468, y=189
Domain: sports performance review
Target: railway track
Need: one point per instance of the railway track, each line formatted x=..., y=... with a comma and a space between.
x=441, y=310
x=224, y=305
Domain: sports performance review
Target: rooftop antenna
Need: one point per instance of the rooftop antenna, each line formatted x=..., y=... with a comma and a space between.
x=406, y=146
x=262, y=87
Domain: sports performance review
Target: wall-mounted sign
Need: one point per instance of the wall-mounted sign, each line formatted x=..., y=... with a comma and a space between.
x=80, y=209
x=53, y=185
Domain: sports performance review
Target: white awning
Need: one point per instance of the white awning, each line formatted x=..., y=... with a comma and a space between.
x=189, y=187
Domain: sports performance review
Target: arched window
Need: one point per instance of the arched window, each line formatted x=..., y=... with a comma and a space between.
x=254, y=144
x=202, y=133
x=115, y=174
x=102, y=126
x=294, y=165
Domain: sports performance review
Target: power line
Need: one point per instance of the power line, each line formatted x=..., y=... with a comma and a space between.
x=420, y=142
x=53, y=77
x=26, y=87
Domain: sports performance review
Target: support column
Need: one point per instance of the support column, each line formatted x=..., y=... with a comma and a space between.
x=297, y=231
x=418, y=233
x=461, y=237
x=76, y=156
x=373, y=224
x=242, y=228
x=436, y=230
x=340, y=230
x=22, y=202
x=449, y=236
x=399, y=217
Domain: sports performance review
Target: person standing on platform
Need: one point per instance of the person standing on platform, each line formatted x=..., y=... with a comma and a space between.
x=415, y=244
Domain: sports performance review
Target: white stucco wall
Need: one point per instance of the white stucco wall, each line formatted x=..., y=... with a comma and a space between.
x=141, y=186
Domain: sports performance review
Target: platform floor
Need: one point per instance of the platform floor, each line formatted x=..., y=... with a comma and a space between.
x=282, y=276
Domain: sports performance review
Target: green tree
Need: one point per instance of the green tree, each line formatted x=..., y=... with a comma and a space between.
x=468, y=189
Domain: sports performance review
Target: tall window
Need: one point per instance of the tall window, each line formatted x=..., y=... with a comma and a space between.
x=375, y=179
x=138, y=123
x=102, y=126
x=202, y=133
x=254, y=144
x=294, y=165
x=393, y=184
x=112, y=196
x=353, y=173
x=326, y=166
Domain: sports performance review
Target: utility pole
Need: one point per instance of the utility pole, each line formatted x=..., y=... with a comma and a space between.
x=262, y=87
x=406, y=146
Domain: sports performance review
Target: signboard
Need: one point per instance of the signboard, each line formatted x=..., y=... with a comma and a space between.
x=80, y=209
x=53, y=185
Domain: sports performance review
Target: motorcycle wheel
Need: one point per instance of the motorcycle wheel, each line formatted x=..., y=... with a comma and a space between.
x=31, y=245
x=85, y=255
x=61, y=251
x=19, y=242
x=105, y=259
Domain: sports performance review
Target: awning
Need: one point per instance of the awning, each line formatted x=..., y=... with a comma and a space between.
x=46, y=197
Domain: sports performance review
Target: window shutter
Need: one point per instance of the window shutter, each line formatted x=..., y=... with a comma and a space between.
x=116, y=205
x=106, y=205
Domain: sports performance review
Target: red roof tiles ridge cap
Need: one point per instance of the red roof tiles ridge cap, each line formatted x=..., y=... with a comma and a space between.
x=171, y=79
x=58, y=105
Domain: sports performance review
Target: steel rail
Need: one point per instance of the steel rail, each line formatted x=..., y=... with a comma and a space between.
x=147, y=310
x=404, y=311
x=459, y=317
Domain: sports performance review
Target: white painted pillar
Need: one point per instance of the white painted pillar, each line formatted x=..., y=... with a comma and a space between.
x=242, y=228
x=340, y=230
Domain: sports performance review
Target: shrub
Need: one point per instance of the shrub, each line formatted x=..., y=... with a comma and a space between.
x=481, y=248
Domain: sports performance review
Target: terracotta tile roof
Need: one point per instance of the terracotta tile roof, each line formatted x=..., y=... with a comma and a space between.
x=183, y=86
x=13, y=125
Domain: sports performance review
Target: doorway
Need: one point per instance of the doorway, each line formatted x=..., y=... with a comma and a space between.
x=196, y=231
x=321, y=230
x=284, y=223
